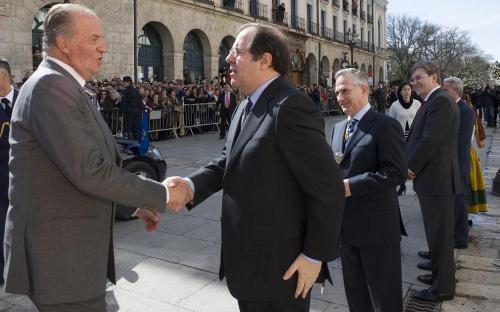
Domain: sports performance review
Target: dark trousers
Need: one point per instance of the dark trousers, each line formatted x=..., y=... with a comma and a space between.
x=4, y=206
x=225, y=121
x=293, y=305
x=437, y=212
x=92, y=305
x=372, y=277
x=133, y=118
x=461, y=214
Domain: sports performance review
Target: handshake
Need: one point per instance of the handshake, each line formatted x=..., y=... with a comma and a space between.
x=179, y=193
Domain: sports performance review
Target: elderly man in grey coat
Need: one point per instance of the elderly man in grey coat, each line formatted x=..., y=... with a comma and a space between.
x=65, y=175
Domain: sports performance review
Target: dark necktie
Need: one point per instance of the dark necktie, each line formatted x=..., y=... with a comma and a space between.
x=92, y=96
x=7, y=108
x=351, y=124
x=246, y=112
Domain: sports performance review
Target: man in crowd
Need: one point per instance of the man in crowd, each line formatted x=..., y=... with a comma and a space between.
x=65, y=175
x=131, y=107
x=433, y=167
x=371, y=257
x=380, y=95
x=455, y=88
x=226, y=104
x=280, y=214
x=8, y=96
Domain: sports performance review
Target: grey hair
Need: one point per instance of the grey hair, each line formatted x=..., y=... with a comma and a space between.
x=456, y=83
x=358, y=77
x=59, y=20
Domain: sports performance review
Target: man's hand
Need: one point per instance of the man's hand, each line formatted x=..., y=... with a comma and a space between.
x=411, y=175
x=151, y=218
x=179, y=193
x=308, y=273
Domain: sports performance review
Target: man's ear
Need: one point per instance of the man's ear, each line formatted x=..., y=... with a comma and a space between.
x=62, y=43
x=266, y=60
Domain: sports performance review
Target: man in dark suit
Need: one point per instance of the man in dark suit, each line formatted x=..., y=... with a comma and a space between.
x=65, y=175
x=433, y=167
x=455, y=88
x=131, y=107
x=226, y=105
x=8, y=96
x=282, y=193
x=369, y=147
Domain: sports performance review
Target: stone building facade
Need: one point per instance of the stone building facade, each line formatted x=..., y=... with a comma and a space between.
x=179, y=39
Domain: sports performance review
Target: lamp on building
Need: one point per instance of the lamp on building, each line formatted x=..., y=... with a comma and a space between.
x=351, y=41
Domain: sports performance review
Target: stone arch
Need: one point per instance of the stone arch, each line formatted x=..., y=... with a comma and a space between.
x=37, y=31
x=155, y=51
x=336, y=66
x=195, y=61
x=311, y=72
x=381, y=74
x=325, y=71
x=363, y=68
x=224, y=47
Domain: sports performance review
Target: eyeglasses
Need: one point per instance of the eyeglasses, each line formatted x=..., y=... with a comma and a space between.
x=417, y=78
x=238, y=51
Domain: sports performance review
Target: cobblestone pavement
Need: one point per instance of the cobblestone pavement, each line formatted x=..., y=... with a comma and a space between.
x=175, y=268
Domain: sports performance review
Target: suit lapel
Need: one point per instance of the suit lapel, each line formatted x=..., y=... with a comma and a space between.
x=338, y=136
x=420, y=112
x=108, y=138
x=363, y=127
x=234, y=129
x=254, y=120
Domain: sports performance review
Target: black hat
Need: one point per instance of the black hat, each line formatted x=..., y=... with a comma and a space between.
x=127, y=79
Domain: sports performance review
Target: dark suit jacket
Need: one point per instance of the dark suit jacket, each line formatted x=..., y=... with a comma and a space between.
x=466, y=126
x=4, y=149
x=374, y=161
x=282, y=193
x=432, y=147
x=221, y=104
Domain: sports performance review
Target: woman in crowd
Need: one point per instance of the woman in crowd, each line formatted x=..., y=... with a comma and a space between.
x=404, y=110
x=106, y=105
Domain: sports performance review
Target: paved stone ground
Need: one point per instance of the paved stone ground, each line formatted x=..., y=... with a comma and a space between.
x=175, y=268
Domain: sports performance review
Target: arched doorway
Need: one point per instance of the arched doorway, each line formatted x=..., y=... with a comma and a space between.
x=224, y=48
x=325, y=72
x=311, y=72
x=363, y=68
x=150, y=55
x=336, y=66
x=37, y=34
x=193, y=58
x=381, y=74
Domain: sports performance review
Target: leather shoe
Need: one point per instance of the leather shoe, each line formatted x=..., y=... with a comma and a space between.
x=430, y=296
x=425, y=279
x=424, y=254
x=425, y=266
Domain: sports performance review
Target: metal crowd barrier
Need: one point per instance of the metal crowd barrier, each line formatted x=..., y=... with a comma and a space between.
x=201, y=116
x=165, y=119
x=330, y=107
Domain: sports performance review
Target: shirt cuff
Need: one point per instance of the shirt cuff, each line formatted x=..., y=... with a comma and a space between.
x=135, y=213
x=191, y=184
x=311, y=259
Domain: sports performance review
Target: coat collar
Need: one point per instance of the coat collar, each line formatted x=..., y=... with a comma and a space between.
x=236, y=142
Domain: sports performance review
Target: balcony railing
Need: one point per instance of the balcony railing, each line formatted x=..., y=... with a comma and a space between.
x=233, y=5
x=345, y=6
x=298, y=22
x=370, y=18
x=210, y=2
x=279, y=17
x=257, y=10
x=362, y=15
x=339, y=37
x=313, y=28
x=336, y=3
x=381, y=50
x=327, y=33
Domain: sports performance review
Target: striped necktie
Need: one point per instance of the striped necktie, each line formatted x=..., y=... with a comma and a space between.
x=246, y=112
